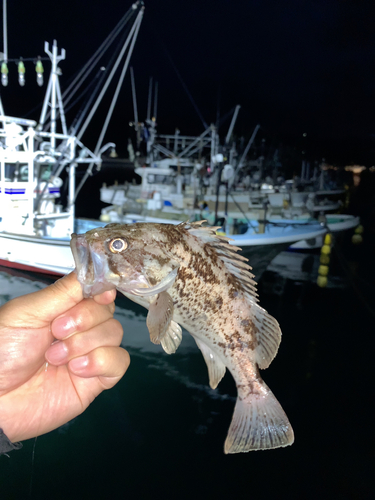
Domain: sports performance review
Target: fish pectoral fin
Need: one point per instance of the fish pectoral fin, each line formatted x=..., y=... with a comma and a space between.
x=216, y=368
x=268, y=335
x=164, y=285
x=172, y=338
x=258, y=423
x=159, y=316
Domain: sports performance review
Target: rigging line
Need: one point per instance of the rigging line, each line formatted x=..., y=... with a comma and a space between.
x=185, y=87
x=82, y=75
x=225, y=117
x=114, y=100
x=87, y=103
x=82, y=94
x=109, y=79
x=97, y=55
x=240, y=209
x=100, y=77
x=108, y=66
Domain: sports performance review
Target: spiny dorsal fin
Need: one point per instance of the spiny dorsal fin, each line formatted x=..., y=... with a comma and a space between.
x=235, y=263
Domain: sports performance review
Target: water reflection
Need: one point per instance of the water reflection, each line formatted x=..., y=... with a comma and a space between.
x=161, y=430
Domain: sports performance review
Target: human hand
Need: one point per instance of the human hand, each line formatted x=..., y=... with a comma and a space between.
x=36, y=397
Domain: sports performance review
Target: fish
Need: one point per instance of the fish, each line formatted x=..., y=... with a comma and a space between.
x=189, y=276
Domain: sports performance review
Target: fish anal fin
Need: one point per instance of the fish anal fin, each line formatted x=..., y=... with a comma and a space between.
x=216, y=368
x=159, y=317
x=258, y=423
x=172, y=338
x=268, y=335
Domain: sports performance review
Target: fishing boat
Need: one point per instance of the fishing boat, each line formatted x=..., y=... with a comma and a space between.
x=36, y=158
x=335, y=223
x=260, y=241
x=169, y=191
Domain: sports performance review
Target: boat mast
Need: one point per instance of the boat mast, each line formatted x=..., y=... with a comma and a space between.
x=5, y=46
x=232, y=123
x=135, y=108
x=53, y=95
x=246, y=151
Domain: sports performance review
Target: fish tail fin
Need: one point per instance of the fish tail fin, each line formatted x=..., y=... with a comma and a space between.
x=258, y=423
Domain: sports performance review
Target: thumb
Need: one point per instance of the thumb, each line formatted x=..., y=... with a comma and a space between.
x=43, y=306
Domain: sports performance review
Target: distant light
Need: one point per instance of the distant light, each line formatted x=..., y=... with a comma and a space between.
x=304, y=134
x=356, y=169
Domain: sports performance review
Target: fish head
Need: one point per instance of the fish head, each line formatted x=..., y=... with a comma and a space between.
x=128, y=257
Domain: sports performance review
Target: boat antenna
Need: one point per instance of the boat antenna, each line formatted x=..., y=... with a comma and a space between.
x=232, y=123
x=149, y=99
x=134, y=95
x=155, y=100
x=248, y=146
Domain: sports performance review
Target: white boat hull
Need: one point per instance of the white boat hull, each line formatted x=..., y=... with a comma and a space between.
x=335, y=224
x=53, y=256
x=46, y=255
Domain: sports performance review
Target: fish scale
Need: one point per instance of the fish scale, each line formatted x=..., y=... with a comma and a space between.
x=188, y=276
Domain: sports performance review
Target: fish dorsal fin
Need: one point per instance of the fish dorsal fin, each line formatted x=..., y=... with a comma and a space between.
x=268, y=335
x=234, y=262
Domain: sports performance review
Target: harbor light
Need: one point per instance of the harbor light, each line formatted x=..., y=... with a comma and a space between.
x=21, y=73
x=4, y=73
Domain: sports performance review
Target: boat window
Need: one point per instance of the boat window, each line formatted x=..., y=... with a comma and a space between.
x=45, y=172
x=159, y=179
x=15, y=172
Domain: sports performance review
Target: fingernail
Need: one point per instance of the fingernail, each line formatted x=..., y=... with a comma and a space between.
x=57, y=353
x=64, y=326
x=79, y=364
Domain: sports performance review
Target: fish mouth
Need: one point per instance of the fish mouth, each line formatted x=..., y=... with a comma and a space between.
x=90, y=267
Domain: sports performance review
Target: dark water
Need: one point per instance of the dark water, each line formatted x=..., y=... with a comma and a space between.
x=160, y=432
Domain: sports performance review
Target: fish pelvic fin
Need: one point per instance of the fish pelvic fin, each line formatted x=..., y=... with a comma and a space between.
x=268, y=335
x=258, y=423
x=159, y=317
x=172, y=338
x=216, y=368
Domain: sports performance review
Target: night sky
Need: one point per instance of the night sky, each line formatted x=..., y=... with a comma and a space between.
x=294, y=66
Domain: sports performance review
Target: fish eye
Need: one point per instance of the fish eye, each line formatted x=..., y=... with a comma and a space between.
x=117, y=245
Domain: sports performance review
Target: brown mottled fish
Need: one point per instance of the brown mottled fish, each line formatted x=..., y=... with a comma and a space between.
x=188, y=275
